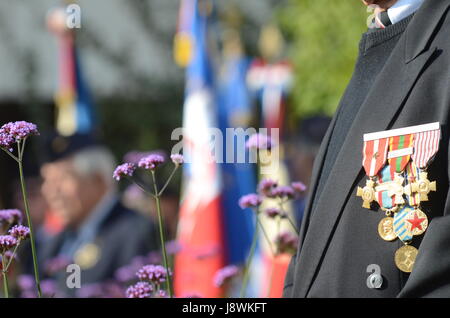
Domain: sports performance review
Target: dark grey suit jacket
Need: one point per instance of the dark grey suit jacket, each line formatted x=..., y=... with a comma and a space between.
x=123, y=235
x=338, y=239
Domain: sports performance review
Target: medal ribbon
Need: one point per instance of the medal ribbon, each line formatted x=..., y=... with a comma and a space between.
x=426, y=145
x=398, y=164
x=374, y=155
x=383, y=198
x=412, y=176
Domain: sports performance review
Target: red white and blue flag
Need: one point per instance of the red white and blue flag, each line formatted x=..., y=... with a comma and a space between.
x=200, y=224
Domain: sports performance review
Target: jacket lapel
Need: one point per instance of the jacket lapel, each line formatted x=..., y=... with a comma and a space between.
x=387, y=97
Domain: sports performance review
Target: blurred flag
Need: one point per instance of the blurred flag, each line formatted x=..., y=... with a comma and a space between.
x=75, y=109
x=271, y=83
x=200, y=224
x=238, y=177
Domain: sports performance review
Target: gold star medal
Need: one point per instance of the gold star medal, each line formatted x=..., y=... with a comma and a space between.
x=417, y=222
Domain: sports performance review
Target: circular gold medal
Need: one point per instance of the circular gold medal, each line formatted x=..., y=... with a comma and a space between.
x=405, y=257
x=417, y=222
x=386, y=229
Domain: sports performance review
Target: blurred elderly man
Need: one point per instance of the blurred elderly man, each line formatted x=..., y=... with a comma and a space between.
x=100, y=234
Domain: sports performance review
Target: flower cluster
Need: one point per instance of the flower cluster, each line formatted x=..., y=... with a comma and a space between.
x=150, y=162
x=20, y=232
x=144, y=160
x=151, y=277
x=225, y=275
x=56, y=264
x=287, y=243
x=13, y=132
x=177, y=159
x=251, y=200
x=266, y=187
x=153, y=273
x=10, y=216
x=274, y=212
x=140, y=290
x=7, y=242
x=124, y=170
x=270, y=189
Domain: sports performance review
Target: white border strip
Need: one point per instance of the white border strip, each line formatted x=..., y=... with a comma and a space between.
x=401, y=131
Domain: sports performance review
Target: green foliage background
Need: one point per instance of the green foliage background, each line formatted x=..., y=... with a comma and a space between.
x=323, y=39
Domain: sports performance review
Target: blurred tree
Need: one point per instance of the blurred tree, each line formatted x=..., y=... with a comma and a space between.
x=323, y=37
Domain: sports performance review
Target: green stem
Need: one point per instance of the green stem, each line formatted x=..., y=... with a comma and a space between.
x=12, y=256
x=161, y=233
x=11, y=155
x=281, y=205
x=30, y=224
x=5, y=278
x=168, y=180
x=292, y=224
x=266, y=236
x=140, y=186
x=249, y=261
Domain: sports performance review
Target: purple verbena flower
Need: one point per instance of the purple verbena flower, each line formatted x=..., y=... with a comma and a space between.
x=136, y=156
x=153, y=273
x=25, y=282
x=20, y=232
x=6, y=141
x=298, y=187
x=266, y=187
x=177, y=159
x=125, y=169
x=140, y=290
x=283, y=192
x=151, y=162
x=50, y=288
x=224, y=275
x=274, y=212
x=287, y=243
x=250, y=201
x=260, y=141
x=19, y=130
x=161, y=294
x=7, y=242
x=56, y=264
x=10, y=216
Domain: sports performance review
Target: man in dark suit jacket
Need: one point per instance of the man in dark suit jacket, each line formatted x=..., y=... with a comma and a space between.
x=100, y=234
x=401, y=78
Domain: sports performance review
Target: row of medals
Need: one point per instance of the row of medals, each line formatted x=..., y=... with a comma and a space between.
x=405, y=256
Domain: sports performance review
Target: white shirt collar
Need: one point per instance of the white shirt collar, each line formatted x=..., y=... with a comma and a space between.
x=403, y=8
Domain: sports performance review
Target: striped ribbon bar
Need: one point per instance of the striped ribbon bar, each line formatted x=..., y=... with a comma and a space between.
x=374, y=155
x=382, y=197
x=426, y=144
x=396, y=144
